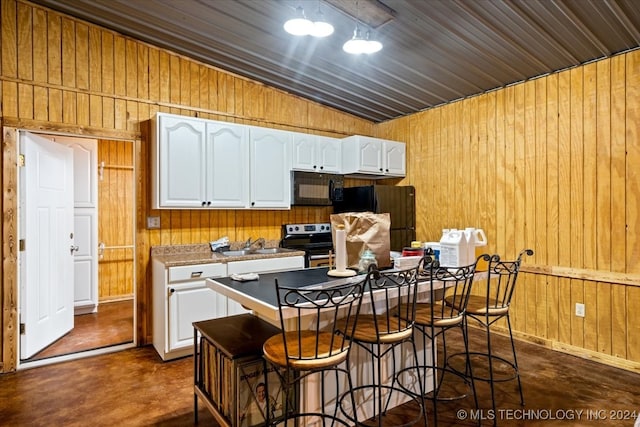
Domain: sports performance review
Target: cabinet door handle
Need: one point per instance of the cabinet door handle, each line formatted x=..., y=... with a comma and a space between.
x=204, y=203
x=196, y=273
x=171, y=290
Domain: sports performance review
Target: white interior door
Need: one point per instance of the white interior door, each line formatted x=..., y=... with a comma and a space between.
x=85, y=201
x=46, y=227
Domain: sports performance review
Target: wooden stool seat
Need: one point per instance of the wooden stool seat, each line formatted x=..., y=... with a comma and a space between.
x=374, y=329
x=313, y=351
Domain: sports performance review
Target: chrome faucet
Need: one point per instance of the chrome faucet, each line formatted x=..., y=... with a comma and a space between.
x=259, y=241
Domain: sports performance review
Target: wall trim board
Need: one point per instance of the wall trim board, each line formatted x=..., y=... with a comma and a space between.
x=584, y=274
x=572, y=350
x=38, y=126
x=9, y=251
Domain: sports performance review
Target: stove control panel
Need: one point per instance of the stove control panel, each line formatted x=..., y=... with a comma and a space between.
x=307, y=228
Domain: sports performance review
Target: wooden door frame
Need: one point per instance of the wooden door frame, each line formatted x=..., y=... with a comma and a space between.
x=9, y=334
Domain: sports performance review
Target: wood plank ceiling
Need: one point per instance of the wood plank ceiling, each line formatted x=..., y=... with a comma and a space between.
x=435, y=51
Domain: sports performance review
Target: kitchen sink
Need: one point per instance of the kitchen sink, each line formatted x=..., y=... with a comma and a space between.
x=239, y=252
x=263, y=251
x=269, y=251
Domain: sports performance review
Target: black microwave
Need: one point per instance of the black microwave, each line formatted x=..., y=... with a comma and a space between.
x=316, y=189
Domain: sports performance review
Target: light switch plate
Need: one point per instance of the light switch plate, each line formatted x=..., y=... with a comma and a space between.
x=153, y=222
x=579, y=309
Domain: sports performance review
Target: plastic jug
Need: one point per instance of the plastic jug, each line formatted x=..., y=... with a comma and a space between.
x=477, y=245
x=454, y=250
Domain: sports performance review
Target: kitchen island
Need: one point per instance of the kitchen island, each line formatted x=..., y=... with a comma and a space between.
x=260, y=297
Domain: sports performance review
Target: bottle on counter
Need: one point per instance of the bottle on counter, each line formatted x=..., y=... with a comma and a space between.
x=367, y=258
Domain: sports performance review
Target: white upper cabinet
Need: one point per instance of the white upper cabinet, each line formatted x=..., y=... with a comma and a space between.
x=270, y=160
x=373, y=157
x=202, y=163
x=314, y=153
x=227, y=165
x=179, y=162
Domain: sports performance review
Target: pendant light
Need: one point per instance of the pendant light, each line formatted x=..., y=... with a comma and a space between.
x=321, y=28
x=358, y=45
x=299, y=25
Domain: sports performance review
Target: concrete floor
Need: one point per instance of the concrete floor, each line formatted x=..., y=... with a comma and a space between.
x=135, y=388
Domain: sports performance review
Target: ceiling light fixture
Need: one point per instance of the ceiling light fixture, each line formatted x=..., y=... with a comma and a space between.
x=358, y=45
x=321, y=28
x=301, y=26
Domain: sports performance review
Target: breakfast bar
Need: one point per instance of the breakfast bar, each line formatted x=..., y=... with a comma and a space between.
x=260, y=296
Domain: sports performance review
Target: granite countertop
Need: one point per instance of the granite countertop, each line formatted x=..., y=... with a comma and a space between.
x=178, y=255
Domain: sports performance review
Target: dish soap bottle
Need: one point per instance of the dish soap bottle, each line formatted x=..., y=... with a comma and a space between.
x=367, y=258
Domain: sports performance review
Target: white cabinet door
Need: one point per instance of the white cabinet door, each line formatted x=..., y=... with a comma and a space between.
x=362, y=154
x=329, y=154
x=181, y=162
x=395, y=158
x=188, y=303
x=227, y=165
x=304, y=152
x=270, y=168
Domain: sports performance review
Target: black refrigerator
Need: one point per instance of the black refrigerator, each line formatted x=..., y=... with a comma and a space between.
x=398, y=201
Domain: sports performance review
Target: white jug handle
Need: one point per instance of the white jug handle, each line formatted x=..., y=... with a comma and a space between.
x=483, y=240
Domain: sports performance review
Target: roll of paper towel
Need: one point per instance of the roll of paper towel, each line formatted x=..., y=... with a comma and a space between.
x=341, y=249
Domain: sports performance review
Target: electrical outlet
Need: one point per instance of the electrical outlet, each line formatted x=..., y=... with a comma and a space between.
x=579, y=309
x=153, y=222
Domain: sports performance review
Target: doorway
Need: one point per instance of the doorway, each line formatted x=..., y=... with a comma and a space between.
x=112, y=323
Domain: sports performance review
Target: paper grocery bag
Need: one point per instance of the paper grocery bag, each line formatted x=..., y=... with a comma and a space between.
x=365, y=230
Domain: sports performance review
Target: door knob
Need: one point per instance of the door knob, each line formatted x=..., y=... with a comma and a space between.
x=74, y=249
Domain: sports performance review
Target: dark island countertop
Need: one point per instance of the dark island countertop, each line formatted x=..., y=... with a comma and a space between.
x=260, y=295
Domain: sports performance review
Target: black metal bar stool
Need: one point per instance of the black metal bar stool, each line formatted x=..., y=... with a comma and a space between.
x=485, y=310
x=310, y=343
x=382, y=329
x=433, y=319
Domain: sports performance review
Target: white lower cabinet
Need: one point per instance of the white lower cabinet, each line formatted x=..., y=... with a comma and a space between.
x=181, y=297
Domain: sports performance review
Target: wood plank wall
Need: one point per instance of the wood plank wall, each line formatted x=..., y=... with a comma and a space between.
x=550, y=164
x=60, y=74
x=116, y=220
